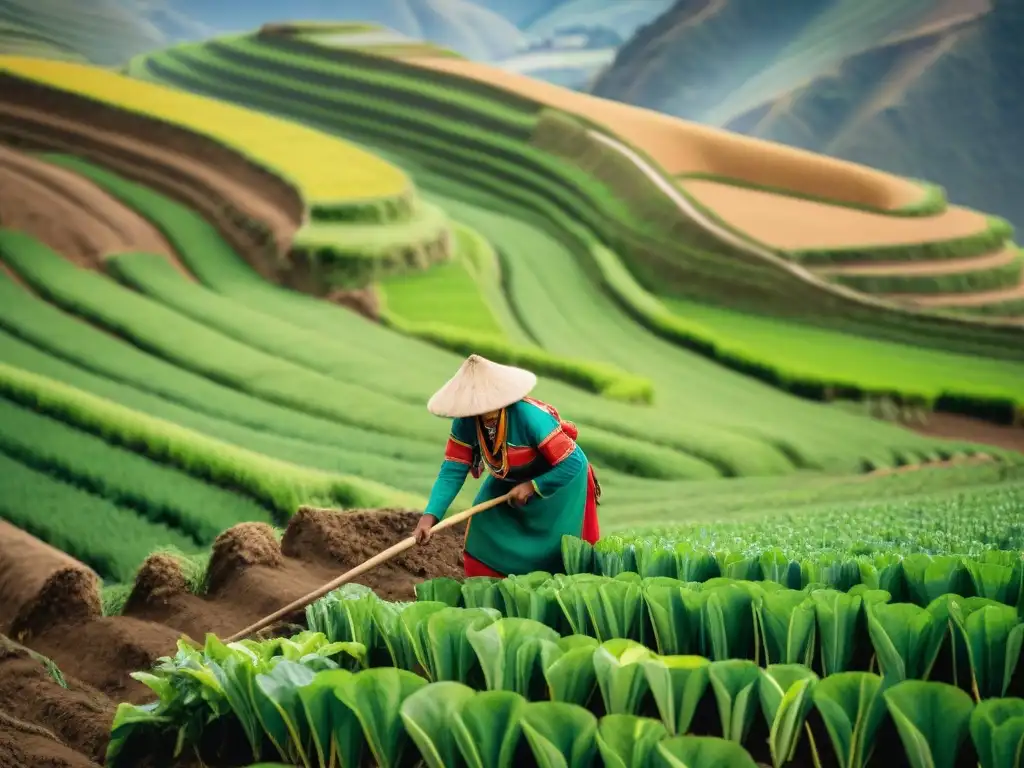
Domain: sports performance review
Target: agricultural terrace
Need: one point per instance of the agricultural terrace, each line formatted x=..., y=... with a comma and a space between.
x=457, y=138
x=894, y=237
x=192, y=438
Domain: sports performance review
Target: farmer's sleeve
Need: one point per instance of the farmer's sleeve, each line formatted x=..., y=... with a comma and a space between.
x=458, y=456
x=560, y=451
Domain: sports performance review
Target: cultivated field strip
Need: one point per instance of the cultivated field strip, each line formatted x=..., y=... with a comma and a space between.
x=223, y=270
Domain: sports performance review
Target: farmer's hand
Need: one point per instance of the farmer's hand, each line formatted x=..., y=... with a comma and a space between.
x=521, y=494
x=422, y=531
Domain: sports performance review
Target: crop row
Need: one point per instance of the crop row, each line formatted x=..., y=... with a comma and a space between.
x=109, y=538
x=393, y=679
x=175, y=221
x=613, y=434
x=220, y=77
x=158, y=492
x=310, y=157
x=987, y=278
x=600, y=205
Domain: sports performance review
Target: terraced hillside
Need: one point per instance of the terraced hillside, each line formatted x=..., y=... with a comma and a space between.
x=219, y=331
x=396, y=112
x=151, y=330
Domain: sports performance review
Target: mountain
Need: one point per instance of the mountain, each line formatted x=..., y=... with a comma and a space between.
x=921, y=88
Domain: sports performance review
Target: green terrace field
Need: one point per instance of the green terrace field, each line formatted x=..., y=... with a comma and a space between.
x=417, y=129
x=213, y=431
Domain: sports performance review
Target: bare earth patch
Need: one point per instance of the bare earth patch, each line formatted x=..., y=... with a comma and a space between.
x=793, y=224
x=70, y=214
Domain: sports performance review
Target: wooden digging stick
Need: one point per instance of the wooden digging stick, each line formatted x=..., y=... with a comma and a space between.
x=362, y=568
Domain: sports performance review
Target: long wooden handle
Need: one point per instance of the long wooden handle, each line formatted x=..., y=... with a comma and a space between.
x=362, y=568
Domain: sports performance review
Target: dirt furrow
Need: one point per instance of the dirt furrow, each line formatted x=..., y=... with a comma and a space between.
x=938, y=267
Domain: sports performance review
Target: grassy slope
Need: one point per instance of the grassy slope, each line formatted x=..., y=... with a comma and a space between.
x=929, y=382
x=543, y=251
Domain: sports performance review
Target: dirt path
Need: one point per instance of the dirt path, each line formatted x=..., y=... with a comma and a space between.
x=71, y=214
x=794, y=224
x=939, y=267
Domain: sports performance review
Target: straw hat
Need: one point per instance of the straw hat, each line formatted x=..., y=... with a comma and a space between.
x=481, y=386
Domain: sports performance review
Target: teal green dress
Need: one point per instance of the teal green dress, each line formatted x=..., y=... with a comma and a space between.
x=531, y=446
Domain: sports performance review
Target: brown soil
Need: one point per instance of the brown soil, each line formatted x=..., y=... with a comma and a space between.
x=257, y=212
x=71, y=214
x=940, y=267
x=682, y=147
x=43, y=723
x=50, y=603
x=364, y=301
x=793, y=224
x=954, y=427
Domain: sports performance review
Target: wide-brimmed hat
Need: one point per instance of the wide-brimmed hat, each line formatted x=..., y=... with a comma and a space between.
x=481, y=386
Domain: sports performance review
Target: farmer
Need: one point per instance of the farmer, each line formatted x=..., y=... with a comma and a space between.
x=528, y=451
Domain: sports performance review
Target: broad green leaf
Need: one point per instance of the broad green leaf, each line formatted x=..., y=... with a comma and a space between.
x=487, y=729
x=570, y=596
x=932, y=720
x=388, y=619
x=731, y=623
x=614, y=607
x=527, y=597
x=568, y=667
x=509, y=652
x=786, y=625
x=994, y=635
x=481, y=592
x=627, y=741
x=837, y=614
x=695, y=564
x=452, y=654
x=577, y=555
x=620, y=676
x=429, y=715
x=777, y=567
x=560, y=735
x=953, y=661
x=929, y=577
x=734, y=683
x=276, y=695
x=852, y=708
x=702, y=752
x=655, y=558
x=785, y=692
x=906, y=638
x=997, y=729
x=996, y=581
x=678, y=684
x=442, y=590
x=237, y=677
x=337, y=735
x=376, y=697
x=413, y=621
x=672, y=623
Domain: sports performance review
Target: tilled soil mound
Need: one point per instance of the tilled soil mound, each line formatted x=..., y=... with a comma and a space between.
x=50, y=604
